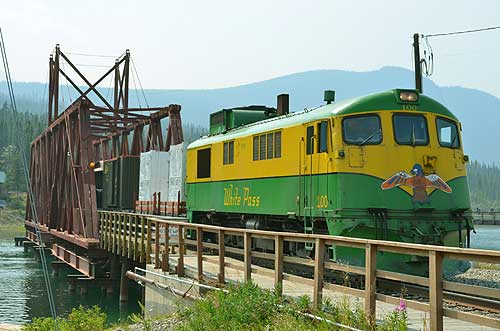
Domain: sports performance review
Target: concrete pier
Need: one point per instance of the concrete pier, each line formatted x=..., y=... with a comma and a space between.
x=9, y=327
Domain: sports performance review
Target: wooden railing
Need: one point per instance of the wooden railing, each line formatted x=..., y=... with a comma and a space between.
x=148, y=239
x=486, y=217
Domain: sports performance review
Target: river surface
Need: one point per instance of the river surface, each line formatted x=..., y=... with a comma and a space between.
x=23, y=294
x=486, y=237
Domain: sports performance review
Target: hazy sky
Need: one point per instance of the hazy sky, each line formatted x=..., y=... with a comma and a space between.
x=210, y=44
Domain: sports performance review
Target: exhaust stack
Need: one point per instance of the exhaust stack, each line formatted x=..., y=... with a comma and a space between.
x=283, y=105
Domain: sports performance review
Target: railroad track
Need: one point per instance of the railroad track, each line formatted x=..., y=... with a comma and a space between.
x=479, y=304
x=464, y=302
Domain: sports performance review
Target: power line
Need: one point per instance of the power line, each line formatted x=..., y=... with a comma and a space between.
x=91, y=55
x=140, y=84
x=21, y=145
x=92, y=65
x=461, y=32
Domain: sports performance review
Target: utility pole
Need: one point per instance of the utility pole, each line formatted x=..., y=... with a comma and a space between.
x=418, y=67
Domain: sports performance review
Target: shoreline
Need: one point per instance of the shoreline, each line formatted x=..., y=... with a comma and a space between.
x=9, y=231
x=11, y=223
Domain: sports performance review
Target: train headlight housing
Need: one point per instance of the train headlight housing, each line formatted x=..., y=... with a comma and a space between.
x=408, y=96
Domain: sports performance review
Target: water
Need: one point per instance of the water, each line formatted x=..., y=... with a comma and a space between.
x=486, y=237
x=23, y=294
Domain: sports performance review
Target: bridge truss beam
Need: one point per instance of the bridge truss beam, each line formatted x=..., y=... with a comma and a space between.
x=64, y=155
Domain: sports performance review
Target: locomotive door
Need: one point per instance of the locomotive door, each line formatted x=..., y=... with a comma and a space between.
x=306, y=194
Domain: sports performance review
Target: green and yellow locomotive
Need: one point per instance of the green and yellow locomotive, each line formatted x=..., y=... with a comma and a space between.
x=386, y=166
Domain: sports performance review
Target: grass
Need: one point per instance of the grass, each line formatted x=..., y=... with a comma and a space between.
x=80, y=319
x=10, y=231
x=486, y=266
x=11, y=223
x=244, y=307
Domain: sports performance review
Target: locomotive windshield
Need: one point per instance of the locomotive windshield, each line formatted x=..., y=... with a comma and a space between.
x=447, y=133
x=362, y=130
x=410, y=130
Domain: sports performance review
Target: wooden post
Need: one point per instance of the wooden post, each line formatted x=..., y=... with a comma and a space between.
x=123, y=281
x=148, y=242
x=164, y=257
x=104, y=233
x=120, y=234
x=436, y=290
x=247, y=256
x=136, y=234
x=113, y=226
x=124, y=229
x=143, y=233
x=370, y=280
x=319, y=268
x=278, y=264
x=124, y=235
x=129, y=246
x=199, y=252
x=157, y=245
x=110, y=238
x=222, y=270
x=101, y=238
x=180, y=262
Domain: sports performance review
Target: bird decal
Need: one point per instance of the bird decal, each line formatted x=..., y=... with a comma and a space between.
x=419, y=182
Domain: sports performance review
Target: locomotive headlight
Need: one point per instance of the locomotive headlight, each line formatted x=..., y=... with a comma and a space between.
x=408, y=96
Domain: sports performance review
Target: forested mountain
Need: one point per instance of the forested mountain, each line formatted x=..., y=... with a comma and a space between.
x=30, y=125
x=484, y=185
x=478, y=111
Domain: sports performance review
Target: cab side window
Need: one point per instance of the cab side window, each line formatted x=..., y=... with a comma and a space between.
x=362, y=130
x=447, y=133
x=322, y=133
x=410, y=130
x=310, y=140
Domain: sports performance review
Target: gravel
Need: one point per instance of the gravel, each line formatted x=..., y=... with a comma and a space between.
x=169, y=324
x=479, y=277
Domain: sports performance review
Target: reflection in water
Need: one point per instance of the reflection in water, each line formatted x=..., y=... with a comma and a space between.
x=23, y=294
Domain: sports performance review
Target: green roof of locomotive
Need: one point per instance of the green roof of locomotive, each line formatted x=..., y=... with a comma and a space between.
x=381, y=101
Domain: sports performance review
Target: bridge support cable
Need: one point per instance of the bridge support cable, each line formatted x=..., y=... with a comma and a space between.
x=21, y=143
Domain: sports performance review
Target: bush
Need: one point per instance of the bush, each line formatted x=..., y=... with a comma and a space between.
x=397, y=320
x=244, y=307
x=80, y=319
x=247, y=307
x=17, y=201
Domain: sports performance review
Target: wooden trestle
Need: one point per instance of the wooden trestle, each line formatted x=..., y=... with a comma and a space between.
x=148, y=239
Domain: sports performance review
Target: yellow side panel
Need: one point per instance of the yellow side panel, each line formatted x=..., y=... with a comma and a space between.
x=380, y=161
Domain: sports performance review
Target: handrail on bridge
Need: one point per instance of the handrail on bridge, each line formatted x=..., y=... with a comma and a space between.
x=139, y=236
